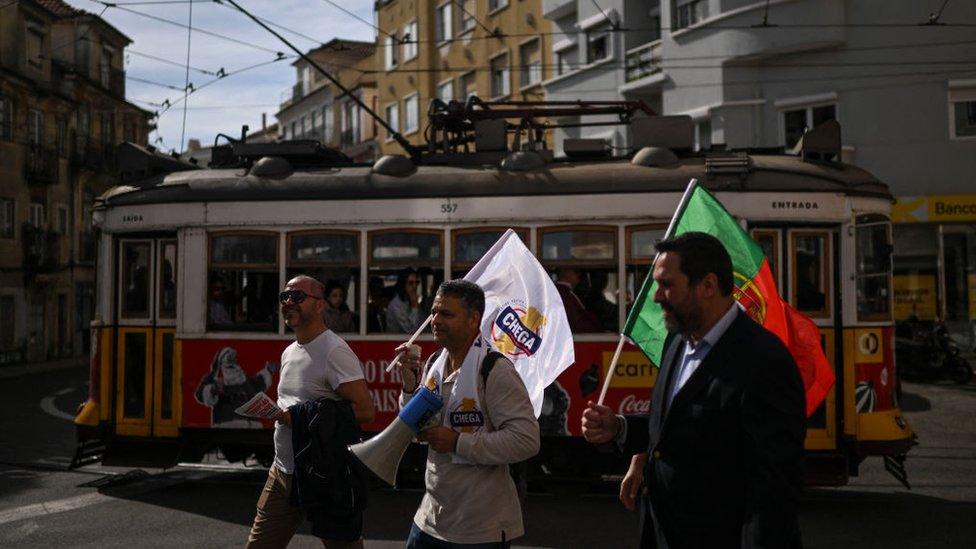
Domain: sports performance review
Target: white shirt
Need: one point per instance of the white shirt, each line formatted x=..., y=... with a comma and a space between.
x=310, y=372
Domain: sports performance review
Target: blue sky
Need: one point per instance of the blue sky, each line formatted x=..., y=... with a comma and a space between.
x=238, y=98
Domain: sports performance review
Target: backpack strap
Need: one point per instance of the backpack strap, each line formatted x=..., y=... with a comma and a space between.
x=486, y=367
x=488, y=364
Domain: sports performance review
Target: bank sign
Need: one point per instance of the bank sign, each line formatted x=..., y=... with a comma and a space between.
x=934, y=209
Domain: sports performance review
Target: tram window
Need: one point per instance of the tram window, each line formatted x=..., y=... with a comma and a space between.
x=582, y=262
x=471, y=244
x=768, y=240
x=811, y=278
x=167, y=279
x=135, y=279
x=243, y=282
x=873, y=256
x=405, y=269
x=332, y=258
x=640, y=254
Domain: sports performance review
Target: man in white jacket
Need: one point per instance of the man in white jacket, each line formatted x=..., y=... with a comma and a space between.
x=486, y=424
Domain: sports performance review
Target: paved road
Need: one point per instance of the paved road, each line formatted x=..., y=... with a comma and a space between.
x=42, y=505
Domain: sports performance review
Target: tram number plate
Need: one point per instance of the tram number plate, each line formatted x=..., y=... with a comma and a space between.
x=448, y=207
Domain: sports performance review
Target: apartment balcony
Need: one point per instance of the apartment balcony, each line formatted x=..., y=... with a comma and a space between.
x=642, y=68
x=42, y=249
x=42, y=165
x=557, y=9
x=93, y=155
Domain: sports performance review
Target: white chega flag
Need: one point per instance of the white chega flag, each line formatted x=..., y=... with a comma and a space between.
x=524, y=315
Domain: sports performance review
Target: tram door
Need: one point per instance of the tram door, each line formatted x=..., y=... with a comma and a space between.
x=147, y=370
x=804, y=263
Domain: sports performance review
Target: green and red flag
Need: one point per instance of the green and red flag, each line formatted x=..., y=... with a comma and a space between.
x=755, y=290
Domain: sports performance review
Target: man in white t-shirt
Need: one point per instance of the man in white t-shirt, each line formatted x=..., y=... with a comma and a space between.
x=318, y=364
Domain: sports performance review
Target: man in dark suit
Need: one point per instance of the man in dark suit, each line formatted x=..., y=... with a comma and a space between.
x=723, y=443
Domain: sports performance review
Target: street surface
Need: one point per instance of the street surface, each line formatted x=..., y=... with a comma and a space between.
x=44, y=505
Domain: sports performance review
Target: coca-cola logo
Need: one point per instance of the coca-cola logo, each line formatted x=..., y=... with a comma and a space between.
x=632, y=405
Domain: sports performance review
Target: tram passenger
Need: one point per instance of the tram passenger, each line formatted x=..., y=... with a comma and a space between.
x=724, y=470
x=470, y=498
x=376, y=306
x=580, y=319
x=218, y=315
x=338, y=317
x=595, y=300
x=808, y=294
x=403, y=314
x=321, y=380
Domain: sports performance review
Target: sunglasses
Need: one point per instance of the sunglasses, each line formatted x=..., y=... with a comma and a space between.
x=296, y=296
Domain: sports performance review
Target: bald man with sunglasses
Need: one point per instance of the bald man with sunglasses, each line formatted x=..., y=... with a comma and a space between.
x=318, y=364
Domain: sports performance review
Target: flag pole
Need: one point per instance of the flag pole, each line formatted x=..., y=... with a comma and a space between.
x=613, y=366
x=409, y=342
x=649, y=280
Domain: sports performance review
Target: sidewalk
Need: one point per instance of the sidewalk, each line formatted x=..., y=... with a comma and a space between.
x=19, y=370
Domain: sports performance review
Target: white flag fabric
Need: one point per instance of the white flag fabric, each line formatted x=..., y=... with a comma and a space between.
x=524, y=315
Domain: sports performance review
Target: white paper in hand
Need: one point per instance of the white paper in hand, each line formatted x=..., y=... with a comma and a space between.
x=260, y=406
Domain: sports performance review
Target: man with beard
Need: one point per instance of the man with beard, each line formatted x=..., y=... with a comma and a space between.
x=486, y=424
x=226, y=387
x=719, y=454
x=317, y=365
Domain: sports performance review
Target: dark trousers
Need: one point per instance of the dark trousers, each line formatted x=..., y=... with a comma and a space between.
x=417, y=539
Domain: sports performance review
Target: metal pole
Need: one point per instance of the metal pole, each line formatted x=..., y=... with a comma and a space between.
x=647, y=281
x=407, y=147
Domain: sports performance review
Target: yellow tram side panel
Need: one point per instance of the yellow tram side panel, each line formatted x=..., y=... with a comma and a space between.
x=134, y=425
x=826, y=438
x=94, y=412
x=884, y=432
x=166, y=427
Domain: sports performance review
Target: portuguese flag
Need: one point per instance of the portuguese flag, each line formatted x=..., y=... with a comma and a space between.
x=755, y=290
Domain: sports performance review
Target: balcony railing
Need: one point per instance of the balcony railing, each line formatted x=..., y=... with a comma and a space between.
x=93, y=155
x=42, y=165
x=643, y=61
x=42, y=249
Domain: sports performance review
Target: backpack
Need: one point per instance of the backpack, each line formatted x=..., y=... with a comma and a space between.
x=518, y=471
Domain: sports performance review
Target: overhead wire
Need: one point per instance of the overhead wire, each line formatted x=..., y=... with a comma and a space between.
x=354, y=16
x=609, y=64
x=460, y=6
x=186, y=89
x=170, y=62
x=182, y=25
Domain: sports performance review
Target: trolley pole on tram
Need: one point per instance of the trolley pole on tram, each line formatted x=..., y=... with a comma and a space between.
x=412, y=151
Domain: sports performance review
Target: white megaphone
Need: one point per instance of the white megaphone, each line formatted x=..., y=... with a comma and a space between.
x=382, y=453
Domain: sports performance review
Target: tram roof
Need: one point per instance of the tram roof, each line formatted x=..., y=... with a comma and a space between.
x=766, y=173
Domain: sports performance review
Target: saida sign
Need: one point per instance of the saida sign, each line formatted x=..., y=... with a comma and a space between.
x=934, y=208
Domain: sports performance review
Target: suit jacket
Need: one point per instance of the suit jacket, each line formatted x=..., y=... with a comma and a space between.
x=725, y=459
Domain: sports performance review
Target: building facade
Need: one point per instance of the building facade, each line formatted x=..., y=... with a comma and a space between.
x=314, y=108
x=447, y=49
x=62, y=112
x=593, y=60
x=758, y=74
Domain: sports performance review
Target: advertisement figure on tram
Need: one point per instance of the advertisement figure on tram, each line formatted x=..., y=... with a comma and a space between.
x=227, y=386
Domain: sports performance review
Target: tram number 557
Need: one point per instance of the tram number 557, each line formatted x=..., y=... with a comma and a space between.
x=449, y=208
